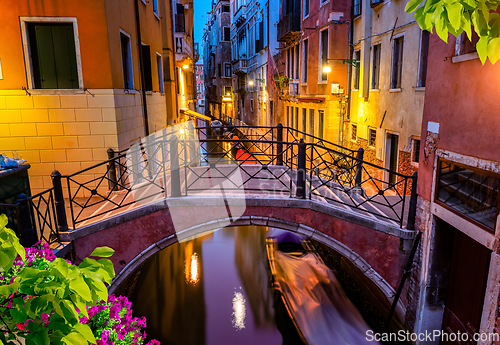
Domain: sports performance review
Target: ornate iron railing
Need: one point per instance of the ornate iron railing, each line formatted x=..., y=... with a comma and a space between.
x=33, y=218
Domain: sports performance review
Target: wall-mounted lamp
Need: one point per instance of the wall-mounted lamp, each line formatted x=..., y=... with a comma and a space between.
x=185, y=67
x=250, y=83
x=326, y=69
x=352, y=62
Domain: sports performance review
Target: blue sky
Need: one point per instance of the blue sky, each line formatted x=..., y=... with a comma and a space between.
x=201, y=7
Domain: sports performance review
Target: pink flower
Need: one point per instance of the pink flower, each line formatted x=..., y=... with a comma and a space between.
x=46, y=318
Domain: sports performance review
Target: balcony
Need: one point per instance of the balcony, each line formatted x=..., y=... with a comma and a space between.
x=240, y=66
x=289, y=28
x=240, y=16
x=183, y=46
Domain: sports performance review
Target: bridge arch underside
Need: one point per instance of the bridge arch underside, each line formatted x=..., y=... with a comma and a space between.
x=375, y=251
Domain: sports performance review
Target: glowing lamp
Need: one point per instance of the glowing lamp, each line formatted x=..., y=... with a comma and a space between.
x=327, y=69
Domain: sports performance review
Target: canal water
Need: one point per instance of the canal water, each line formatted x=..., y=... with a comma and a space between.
x=212, y=290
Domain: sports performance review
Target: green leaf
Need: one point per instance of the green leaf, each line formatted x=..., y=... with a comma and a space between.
x=40, y=337
x=479, y=22
x=455, y=11
x=466, y=25
x=69, y=311
x=7, y=290
x=442, y=29
x=482, y=49
x=103, y=252
x=80, y=287
x=412, y=5
x=80, y=304
x=494, y=50
x=99, y=288
x=75, y=338
x=86, y=332
x=19, y=315
x=3, y=221
x=60, y=268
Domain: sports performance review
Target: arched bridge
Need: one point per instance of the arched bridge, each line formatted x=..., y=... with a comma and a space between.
x=185, y=181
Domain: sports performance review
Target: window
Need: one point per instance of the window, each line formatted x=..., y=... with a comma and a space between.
x=271, y=109
x=160, y=72
x=306, y=8
x=225, y=8
x=397, y=63
x=226, y=34
x=220, y=69
x=470, y=192
x=321, y=124
x=128, y=74
x=354, y=132
x=376, y=67
x=146, y=60
x=424, y=52
x=228, y=90
x=155, y=8
x=296, y=118
x=227, y=70
x=372, y=137
x=292, y=67
x=251, y=104
x=355, y=85
x=356, y=10
x=179, y=19
x=289, y=64
x=415, y=147
x=53, y=55
x=305, y=54
x=166, y=68
x=464, y=45
x=288, y=120
x=297, y=54
x=324, y=53
x=311, y=122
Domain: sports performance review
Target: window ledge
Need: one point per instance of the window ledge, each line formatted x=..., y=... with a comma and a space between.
x=56, y=91
x=130, y=91
x=371, y=147
x=396, y=90
x=419, y=88
x=144, y=2
x=464, y=57
x=356, y=90
x=414, y=164
x=324, y=3
x=157, y=16
x=323, y=82
x=374, y=90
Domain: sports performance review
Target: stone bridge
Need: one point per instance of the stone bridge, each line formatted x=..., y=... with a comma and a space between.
x=378, y=249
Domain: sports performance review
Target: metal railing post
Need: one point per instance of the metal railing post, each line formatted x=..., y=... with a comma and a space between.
x=301, y=171
x=412, y=212
x=62, y=221
x=279, y=149
x=359, y=168
x=112, y=183
x=175, y=177
x=27, y=235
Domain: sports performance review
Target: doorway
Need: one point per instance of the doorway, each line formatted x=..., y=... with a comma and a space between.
x=391, y=155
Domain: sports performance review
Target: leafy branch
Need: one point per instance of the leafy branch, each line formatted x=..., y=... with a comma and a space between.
x=457, y=16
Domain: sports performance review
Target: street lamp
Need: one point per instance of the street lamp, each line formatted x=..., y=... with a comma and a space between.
x=250, y=83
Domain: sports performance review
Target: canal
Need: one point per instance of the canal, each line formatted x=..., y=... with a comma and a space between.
x=212, y=290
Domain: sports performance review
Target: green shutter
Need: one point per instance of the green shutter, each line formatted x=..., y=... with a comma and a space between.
x=65, y=56
x=45, y=57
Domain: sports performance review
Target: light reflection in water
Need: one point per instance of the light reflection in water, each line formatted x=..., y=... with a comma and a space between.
x=192, y=269
x=239, y=311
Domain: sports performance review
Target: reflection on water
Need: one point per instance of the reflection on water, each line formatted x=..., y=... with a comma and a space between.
x=239, y=311
x=211, y=290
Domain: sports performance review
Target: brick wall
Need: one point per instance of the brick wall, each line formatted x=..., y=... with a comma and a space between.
x=70, y=132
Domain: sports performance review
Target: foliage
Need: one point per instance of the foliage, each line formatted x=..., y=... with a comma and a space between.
x=282, y=82
x=457, y=16
x=112, y=323
x=41, y=295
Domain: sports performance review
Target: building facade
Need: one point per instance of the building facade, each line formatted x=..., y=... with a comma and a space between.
x=200, y=89
x=186, y=53
x=458, y=183
x=75, y=81
x=388, y=88
x=217, y=60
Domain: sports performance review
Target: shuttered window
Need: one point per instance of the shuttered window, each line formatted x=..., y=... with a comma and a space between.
x=53, y=55
x=397, y=63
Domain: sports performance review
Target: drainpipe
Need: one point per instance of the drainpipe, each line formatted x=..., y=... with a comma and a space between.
x=173, y=62
x=141, y=67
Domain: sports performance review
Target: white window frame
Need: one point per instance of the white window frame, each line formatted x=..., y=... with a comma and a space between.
x=304, y=9
x=27, y=51
x=356, y=71
x=160, y=72
x=304, y=58
x=320, y=63
x=418, y=87
x=131, y=69
x=157, y=12
x=224, y=67
x=370, y=144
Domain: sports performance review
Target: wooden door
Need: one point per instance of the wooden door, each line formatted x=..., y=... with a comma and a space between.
x=466, y=288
